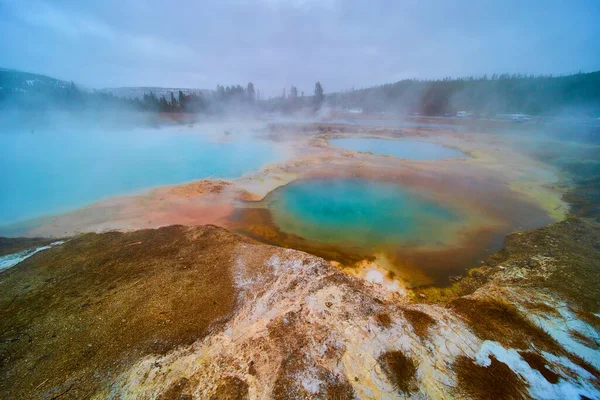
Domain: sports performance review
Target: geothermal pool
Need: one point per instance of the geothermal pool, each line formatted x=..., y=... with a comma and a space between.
x=361, y=213
x=398, y=123
x=52, y=172
x=402, y=148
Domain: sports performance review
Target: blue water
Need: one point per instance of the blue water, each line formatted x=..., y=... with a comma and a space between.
x=402, y=148
x=398, y=123
x=360, y=213
x=45, y=173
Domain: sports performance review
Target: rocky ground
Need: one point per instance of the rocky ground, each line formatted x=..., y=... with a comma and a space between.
x=181, y=313
x=199, y=312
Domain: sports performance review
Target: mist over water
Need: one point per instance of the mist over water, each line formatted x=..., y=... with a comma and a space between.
x=52, y=171
x=66, y=144
x=299, y=199
x=405, y=148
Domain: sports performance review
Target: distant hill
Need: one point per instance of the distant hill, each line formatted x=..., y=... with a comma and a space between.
x=13, y=81
x=28, y=91
x=577, y=94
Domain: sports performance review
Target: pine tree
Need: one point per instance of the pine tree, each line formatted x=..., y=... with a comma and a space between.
x=319, y=96
x=163, y=104
x=174, y=105
x=183, y=100
x=250, y=92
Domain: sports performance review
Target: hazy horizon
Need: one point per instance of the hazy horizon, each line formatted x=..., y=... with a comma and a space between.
x=276, y=44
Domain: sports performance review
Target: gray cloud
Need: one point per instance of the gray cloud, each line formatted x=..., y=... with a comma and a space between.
x=278, y=43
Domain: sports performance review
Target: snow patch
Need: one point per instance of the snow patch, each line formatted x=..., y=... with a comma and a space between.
x=559, y=328
x=309, y=381
x=10, y=260
x=538, y=386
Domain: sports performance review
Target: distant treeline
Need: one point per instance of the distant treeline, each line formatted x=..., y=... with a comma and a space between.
x=61, y=97
x=498, y=94
x=225, y=97
x=74, y=99
x=577, y=94
x=293, y=101
x=34, y=92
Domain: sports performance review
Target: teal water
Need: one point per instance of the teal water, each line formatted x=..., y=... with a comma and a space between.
x=45, y=173
x=402, y=148
x=360, y=213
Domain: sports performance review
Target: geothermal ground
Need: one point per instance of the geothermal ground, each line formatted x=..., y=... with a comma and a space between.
x=496, y=189
x=198, y=311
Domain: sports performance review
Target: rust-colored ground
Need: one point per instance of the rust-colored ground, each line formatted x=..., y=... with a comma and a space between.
x=79, y=317
x=72, y=318
x=487, y=189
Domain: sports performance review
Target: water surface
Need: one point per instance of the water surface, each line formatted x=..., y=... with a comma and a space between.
x=398, y=123
x=49, y=172
x=363, y=213
x=403, y=148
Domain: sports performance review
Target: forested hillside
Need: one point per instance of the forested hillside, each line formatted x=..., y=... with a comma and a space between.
x=33, y=92
x=536, y=95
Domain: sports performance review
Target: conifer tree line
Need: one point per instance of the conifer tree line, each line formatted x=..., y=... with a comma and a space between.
x=16, y=92
x=196, y=102
x=499, y=93
x=295, y=100
x=496, y=94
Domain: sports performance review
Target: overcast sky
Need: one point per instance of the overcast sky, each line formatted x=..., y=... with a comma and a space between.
x=278, y=43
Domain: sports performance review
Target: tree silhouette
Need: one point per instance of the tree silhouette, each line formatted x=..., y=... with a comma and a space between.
x=250, y=92
x=174, y=104
x=163, y=104
x=498, y=94
x=319, y=96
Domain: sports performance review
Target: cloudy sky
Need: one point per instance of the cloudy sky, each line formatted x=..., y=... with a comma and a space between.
x=277, y=43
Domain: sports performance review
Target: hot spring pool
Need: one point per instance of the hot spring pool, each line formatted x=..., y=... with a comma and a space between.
x=402, y=148
x=45, y=173
x=362, y=213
